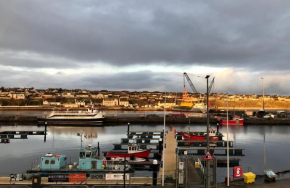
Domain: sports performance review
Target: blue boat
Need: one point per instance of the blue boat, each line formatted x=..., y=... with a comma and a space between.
x=90, y=162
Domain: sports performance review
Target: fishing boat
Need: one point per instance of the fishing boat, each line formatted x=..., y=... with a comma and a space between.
x=133, y=150
x=90, y=115
x=213, y=135
x=236, y=120
x=89, y=162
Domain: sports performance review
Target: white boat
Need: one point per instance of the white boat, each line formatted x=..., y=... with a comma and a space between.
x=136, y=159
x=199, y=107
x=91, y=115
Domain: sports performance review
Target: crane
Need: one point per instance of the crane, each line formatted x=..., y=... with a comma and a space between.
x=191, y=84
x=211, y=84
x=189, y=81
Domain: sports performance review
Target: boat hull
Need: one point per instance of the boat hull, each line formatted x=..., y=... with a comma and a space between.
x=75, y=119
x=232, y=122
x=194, y=137
x=142, y=154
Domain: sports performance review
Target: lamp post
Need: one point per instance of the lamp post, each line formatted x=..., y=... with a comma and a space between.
x=207, y=136
x=263, y=93
x=228, y=152
x=163, y=152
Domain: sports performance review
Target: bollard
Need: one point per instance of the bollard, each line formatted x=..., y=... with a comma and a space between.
x=155, y=170
x=160, y=145
x=174, y=131
x=170, y=127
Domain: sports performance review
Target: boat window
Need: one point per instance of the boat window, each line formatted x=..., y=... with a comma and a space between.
x=82, y=154
x=46, y=162
x=52, y=162
x=88, y=154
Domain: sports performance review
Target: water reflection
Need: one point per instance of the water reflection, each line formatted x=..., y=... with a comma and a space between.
x=89, y=132
x=16, y=157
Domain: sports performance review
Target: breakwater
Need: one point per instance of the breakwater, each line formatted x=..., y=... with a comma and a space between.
x=152, y=120
x=19, y=118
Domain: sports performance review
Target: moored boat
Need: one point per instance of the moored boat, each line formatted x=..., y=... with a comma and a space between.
x=236, y=120
x=91, y=115
x=90, y=162
x=133, y=150
x=213, y=135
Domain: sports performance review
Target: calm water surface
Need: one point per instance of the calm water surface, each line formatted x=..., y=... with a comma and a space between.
x=18, y=156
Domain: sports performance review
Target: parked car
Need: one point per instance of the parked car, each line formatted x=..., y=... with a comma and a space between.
x=261, y=113
x=268, y=116
x=281, y=114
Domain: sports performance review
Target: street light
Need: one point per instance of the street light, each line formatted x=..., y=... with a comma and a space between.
x=263, y=93
x=163, y=152
x=207, y=136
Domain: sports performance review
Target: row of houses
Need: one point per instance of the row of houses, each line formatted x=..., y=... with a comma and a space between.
x=81, y=97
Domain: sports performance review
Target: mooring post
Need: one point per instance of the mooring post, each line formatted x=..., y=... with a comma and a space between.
x=45, y=129
x=128, y=130
x=99, y=149
x=160, y=147
x=124, y=171
x=155, y=170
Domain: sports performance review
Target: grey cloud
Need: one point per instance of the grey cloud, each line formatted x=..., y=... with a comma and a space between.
x=145, y=80
x=217, y=33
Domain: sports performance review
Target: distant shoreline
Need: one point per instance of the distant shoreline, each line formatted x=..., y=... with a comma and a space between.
x=50, y=108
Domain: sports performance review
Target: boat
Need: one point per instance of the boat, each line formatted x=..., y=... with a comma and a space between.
x=133, y=150
x=90, y=115
x=199, y=107
x=213, y=135
x=129, y=159
x=235, y=120
x=90, y=162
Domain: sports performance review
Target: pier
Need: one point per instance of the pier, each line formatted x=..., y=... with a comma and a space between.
x=169, y=164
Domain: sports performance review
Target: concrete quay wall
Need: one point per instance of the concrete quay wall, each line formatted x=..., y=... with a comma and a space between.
x=154, y=120
x=192, y=120
x=26, y=119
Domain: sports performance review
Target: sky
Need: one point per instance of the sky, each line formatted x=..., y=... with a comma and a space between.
x=147, y=45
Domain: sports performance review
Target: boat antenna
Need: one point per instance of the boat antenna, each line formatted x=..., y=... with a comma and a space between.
x=82, y=132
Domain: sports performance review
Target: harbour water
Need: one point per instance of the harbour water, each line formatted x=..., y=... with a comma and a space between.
x=19, y=155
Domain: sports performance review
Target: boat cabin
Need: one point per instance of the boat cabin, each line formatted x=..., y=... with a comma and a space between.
x=212, y=132
x=89, y=160
x=49, y=161
x=134, y=148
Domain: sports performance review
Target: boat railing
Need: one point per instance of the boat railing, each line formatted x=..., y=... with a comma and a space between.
x=73, y=112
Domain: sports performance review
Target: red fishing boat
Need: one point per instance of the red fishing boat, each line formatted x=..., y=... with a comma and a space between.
x=133, y=150
x=212, y=136
x=236, y=120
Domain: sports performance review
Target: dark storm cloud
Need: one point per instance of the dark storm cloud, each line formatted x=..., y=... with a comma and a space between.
x=252, y=34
